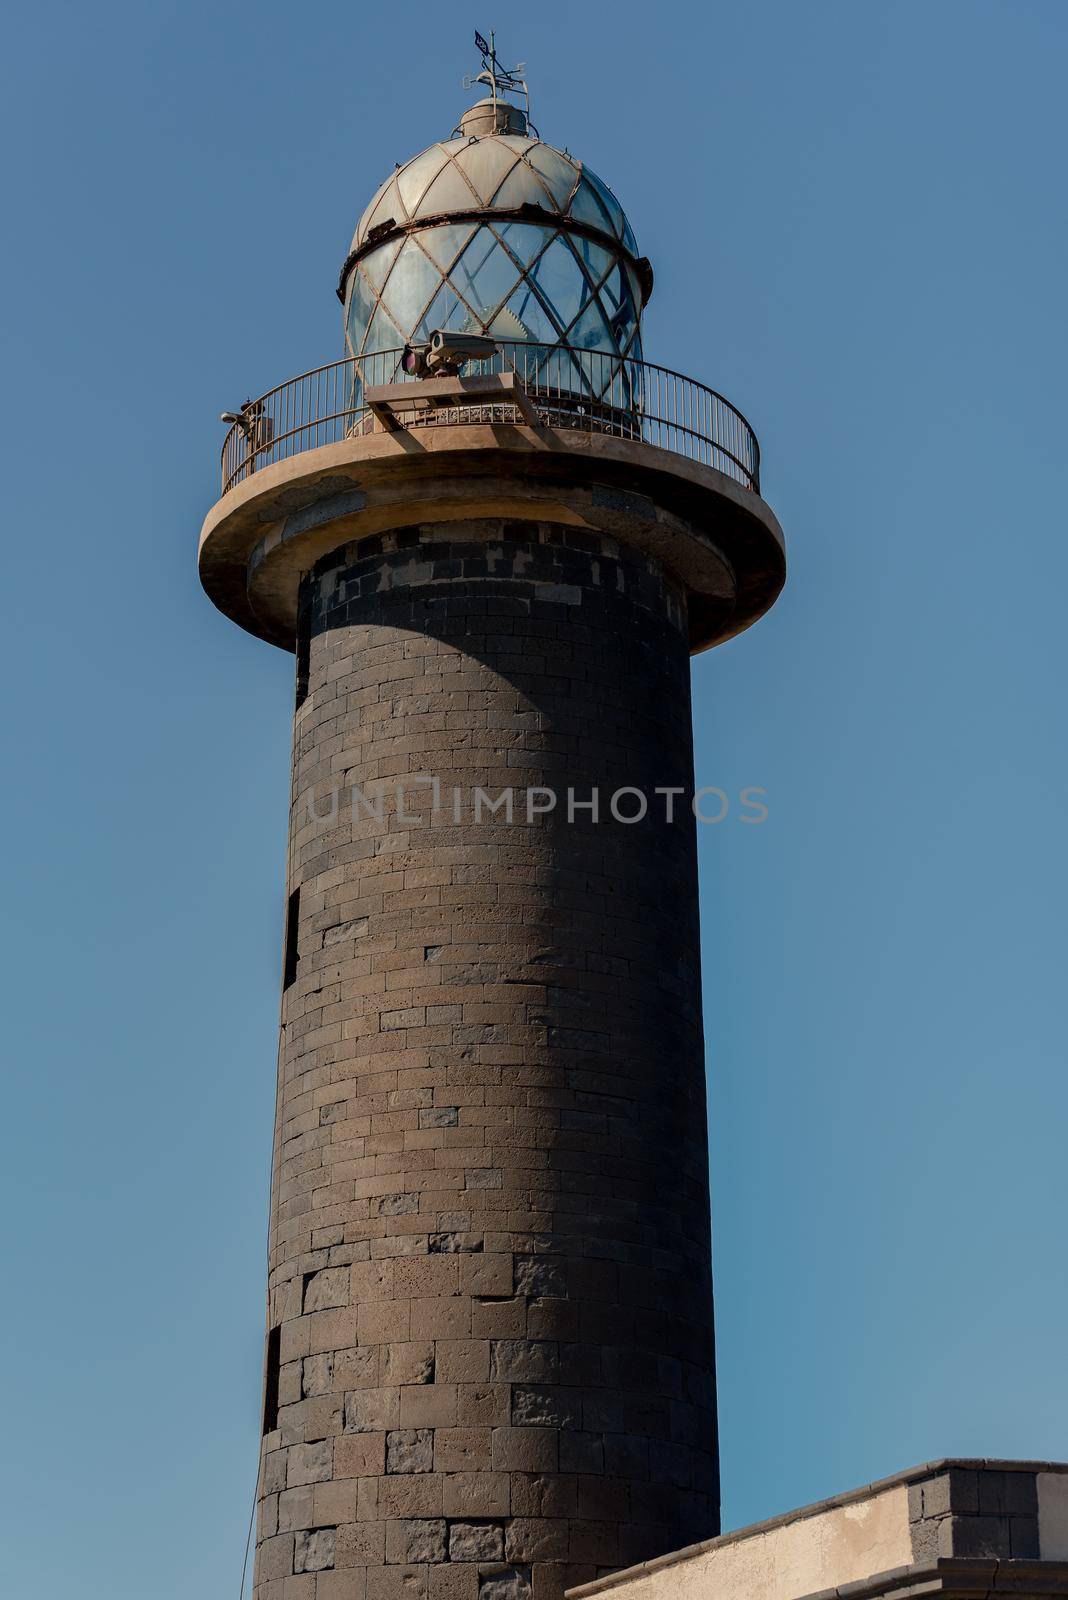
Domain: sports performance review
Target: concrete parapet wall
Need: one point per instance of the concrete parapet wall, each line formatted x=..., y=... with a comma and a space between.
x=961, y=1528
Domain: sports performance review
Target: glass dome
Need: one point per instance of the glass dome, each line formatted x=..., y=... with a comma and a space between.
x=499, y=233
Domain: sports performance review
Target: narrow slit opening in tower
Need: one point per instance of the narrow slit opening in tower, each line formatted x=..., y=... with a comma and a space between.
x=303, y=656
x=292, y=957
x=270, y=1390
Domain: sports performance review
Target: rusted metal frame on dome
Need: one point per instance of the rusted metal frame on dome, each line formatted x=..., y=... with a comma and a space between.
x=526, y=274
x=481, y=202
x=524, y=213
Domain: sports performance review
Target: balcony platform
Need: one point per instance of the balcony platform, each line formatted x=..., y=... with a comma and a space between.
x=716, y=534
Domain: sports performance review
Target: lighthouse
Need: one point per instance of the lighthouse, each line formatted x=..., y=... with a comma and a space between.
x=492, y=534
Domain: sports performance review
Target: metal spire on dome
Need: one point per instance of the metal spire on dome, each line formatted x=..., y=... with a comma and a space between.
x=500, y=80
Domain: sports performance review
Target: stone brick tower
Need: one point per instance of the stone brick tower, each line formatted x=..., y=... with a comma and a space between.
x=489, y=1368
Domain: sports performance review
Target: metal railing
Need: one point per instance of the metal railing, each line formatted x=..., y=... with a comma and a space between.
x=581, y=389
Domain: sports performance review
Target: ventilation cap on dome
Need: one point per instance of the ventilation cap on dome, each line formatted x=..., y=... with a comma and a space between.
x=493, y=116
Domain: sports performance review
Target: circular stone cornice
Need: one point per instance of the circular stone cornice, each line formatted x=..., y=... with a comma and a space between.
x=721, y=541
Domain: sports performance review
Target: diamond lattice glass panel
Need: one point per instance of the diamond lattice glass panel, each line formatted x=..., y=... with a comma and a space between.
x=558, y=371
x=590, y=332
x=617, y=393
x=445, y=242
x=559, y=173
x=449, y=191
x=628, y=238
x=484, y=276
x=594, y=257
x=436, y=315
x=382, y=334
x=481, y=247
x=607, y=199
x=559, y=277
x=617, y=301
x=524, y=239
x=360, y=309
x=523, y=358
x=632, y=377
x=376, y=265
x=630, y=385
x=586, y=207
x=414, y=179
x=486, y=162
x=614, y=290
x=410, y=285
x=584, y=291
x=599, y=372
x=635, y=286
x=623, y=323
x=460, y=319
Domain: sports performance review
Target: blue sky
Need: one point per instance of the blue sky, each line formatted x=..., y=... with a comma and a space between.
x=856, y=217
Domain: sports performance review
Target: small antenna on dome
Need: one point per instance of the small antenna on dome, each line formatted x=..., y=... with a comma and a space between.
x=500, y=80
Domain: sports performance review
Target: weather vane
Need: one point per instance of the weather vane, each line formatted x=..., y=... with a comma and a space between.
x=500, y=80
